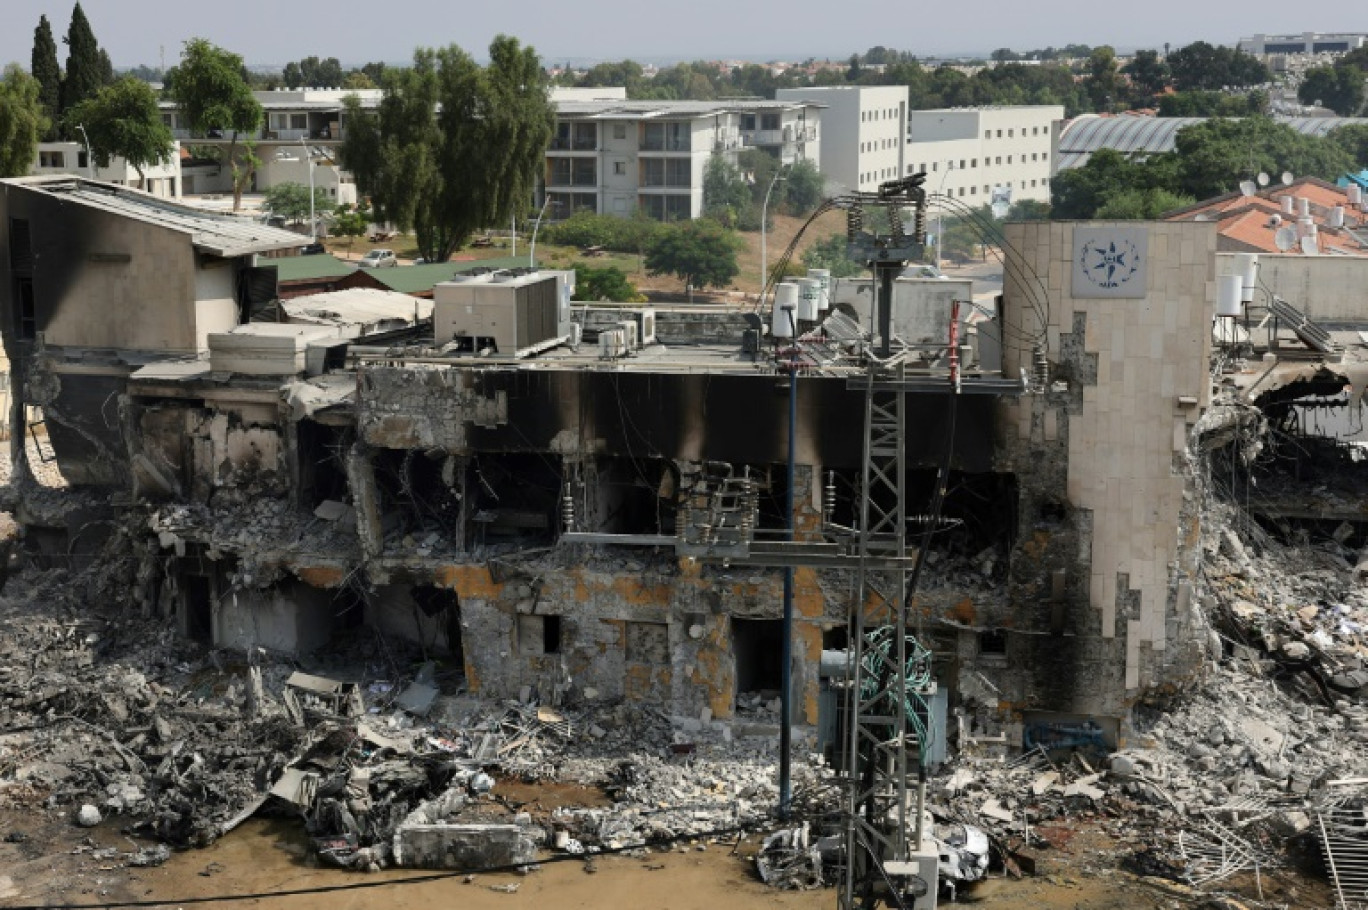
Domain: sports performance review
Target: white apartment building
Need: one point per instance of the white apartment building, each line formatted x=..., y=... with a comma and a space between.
x=162, y=180
x=971, y=154
x=1304, y=43
x=620, y=157
x=866, y=130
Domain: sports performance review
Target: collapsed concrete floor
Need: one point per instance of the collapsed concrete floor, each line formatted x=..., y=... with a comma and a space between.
x=382, y=758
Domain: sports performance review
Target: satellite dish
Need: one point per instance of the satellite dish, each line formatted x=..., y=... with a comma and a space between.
x=1262, y=178
x=1309, y=247
x=1248, y=188
x=1286, y=178
x=1285, y=238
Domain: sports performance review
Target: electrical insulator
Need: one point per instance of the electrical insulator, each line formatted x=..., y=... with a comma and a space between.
x=920, y=224
x=854, y=223
x=568, y=511
x=896, y=223
x=1042, y=367
x=829, y=498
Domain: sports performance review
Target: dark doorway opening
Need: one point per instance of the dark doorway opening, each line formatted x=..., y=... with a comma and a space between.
x=198, y=593
x=758, y=646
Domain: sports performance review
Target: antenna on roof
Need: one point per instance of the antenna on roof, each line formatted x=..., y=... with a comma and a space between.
x=1262, y=178
x=1285, y=238
x=1286, y=178
x=1248, y=188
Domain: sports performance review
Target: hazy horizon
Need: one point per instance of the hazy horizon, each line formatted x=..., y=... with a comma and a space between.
x=144, y=32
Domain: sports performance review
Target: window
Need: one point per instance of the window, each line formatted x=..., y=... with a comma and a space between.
x=1044, y=181
x=1033, y=183
x=1009, y=159
x=973, y=190
x=973, y=162
x=619, y=168
x=993, y=642
x=1044, y=156
x=748, y=122
x=619, y=131
x=961, y=164
x=538, y=635
x=987, y=134
x=769, y=122
x=51, y=159
x=999, y=135
x=1009, y=134
x=999, y=159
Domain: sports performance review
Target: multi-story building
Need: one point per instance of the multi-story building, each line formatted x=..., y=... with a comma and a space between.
x=867, y=128
x=977, y=154
x=71, y=158
x=620, y=157
x=969, y=153
x=1304, y=43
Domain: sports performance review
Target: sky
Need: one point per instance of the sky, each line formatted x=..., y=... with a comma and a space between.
x=273, y=32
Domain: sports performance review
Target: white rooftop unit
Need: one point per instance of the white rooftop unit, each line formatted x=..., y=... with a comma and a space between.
x=508, y=313
x=266, y=348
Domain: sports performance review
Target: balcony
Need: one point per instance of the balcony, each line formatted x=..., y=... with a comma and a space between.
x=665, y=183
x=562, y=144
x=665, y=144
x=780, y=137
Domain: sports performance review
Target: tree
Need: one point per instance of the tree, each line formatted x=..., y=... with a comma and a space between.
x=1213, y=104
x=357, y=80
x=210, y=91
x=351, y=223
x=607, y=283
x=292, y=76
x=1029, y=210
x=123, y=120
x=1146, y=204
x=85, y=72
x=452, y=148
x=1353, y=139
x=701, y=253
x=1214, y=156
x=1339, y=88
x=1147, y=73
x=1104, y=84
x=21, y=121
x=1202, y=67
x=804, y=188
x=45, y=68
x=726, y=195
x=830, y=253
x=290, y=201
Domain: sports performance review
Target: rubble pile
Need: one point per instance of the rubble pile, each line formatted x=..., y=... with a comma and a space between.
x=167, y=745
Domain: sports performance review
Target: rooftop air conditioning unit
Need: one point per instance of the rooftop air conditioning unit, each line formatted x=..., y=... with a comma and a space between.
x=646, y=326
x=612, y=344
x=628, y=327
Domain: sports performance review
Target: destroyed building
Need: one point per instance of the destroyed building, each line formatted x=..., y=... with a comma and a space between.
x=565, y=500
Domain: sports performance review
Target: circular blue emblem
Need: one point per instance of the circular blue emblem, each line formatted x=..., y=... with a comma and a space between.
x=1109, y=263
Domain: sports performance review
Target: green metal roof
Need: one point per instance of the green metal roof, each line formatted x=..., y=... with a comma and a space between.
x=297, y=268
x=415, y=279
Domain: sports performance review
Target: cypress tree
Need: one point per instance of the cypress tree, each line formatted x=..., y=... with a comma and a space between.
x=84, y=72
x=48, y=72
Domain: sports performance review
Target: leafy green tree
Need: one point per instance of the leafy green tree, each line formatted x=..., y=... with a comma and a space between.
x=453, y=147
x=357, y=80
x=1203, y=67
x=1079, y=192
x=726, y=195
x=350, y=222
x=21, y=121
x=1339, y=88
x=830, y=253
x=607, y=283
x=292, y=75
x=1213, y=104
x=1145, y=204
x=1104, y=81
x=1148, y=73
x=701, y=253
x=122, y=120
x=1353, y=139
x=210, y=91
x=1214, y=156
x=45, y=68
x=290, y=201
x=85, y=72
x=1029, y=210
x=804, y=187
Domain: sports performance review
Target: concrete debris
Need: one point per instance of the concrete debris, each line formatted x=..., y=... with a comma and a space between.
x=88, y=816
x=788, y=861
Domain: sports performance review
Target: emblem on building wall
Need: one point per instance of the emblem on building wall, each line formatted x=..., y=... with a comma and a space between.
x=1109, y=262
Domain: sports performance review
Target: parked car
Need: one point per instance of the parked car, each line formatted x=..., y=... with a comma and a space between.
x=924, y=271
x=312, y=249
x=378, y=259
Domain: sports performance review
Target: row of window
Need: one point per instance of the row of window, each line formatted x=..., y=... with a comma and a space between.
x=887, y=113
x=1035, y=131
x=966, y=164
x=973, y=190
x=878, y=145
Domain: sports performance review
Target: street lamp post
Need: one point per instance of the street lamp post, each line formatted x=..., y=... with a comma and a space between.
x=532, y=255
x=313, y=224
x=764, y=217
x=90, y=156
x=940, y=213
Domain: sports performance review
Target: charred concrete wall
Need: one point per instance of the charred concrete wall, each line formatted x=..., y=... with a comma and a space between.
x=102, y=280
x=1104, y=578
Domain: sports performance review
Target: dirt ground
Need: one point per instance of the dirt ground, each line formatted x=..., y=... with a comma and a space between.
x=47, y=861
